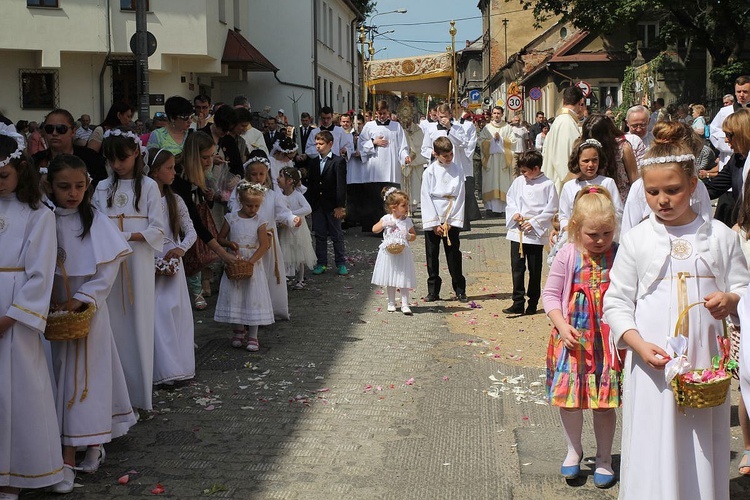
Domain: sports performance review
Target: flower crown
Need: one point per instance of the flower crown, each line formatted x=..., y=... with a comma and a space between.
x=667, y=159
x=277, y=147
x=116, y=132
x=590, y=142
x=10, y=131
x=251, y=186
x=389, y=192
x=258, y=159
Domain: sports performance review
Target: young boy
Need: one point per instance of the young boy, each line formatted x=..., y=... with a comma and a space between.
x=532, y=202
x=442, y=218
x=326, y=194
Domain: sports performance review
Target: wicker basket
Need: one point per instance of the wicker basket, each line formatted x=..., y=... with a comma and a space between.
x=164, y=267
x=395, y=248
x=70, y=325
x=242, y=269
x=688, y=394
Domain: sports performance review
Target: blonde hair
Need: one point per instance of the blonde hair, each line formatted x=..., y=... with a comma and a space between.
x=738, y=123
x=192, y=169
x=392, y=197
x=591, y=202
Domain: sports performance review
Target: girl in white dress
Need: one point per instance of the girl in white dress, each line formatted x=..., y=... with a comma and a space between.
x=274, y=210
x=282, y=154
x=668, y=262
x=92, y=400
x=174, y=354
x=30, y=453
x=132, y=202
x=246, y=303
x=296, y=242
x=395, y=270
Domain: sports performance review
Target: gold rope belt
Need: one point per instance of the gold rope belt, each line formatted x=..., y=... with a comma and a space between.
x=276, y=272
x=450, y=199
x=126, y=272
x=12, y=269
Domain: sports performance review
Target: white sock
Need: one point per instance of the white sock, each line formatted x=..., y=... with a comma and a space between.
x=572, y=423
x=391, y=290
x=252, y=332
x=404, y=297
x=604, y=430
x=301, y=273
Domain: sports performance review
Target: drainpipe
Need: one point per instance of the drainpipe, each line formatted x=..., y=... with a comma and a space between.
x=353, y=51
x=104, y=65
x=316, y=102
x=299, y=85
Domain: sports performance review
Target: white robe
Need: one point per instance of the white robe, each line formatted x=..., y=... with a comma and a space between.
x=497, y=165
x=443, y=195
x=174, y=331
x=411, y=174
x=717, y=135
x=383, y=163
x=93, y=406
x=340, y=140
x=254, y=140
x=131, y=301
x=536, y=200
x=572, y=187
x=456, y=134
x=667, y=453
x=30, y=452
x=558, y=145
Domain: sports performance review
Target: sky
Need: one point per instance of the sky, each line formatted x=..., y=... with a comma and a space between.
x=410, y=38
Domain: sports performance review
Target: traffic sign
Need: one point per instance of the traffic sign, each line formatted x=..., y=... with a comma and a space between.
x=500, y=102
x=513, y=88
x=515, y=102
x=474, y=96
x=535, y=93
x=585, y=88
x=608, y=101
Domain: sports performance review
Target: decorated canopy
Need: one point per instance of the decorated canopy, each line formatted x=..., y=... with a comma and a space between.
x=429, y=74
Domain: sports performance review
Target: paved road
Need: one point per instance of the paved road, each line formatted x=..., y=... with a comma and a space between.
x=348, y=401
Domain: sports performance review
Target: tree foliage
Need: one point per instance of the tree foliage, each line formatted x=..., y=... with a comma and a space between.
x=721, y=26
x=364, y=6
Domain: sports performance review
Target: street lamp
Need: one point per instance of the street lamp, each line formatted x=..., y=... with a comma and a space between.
x=371, y=28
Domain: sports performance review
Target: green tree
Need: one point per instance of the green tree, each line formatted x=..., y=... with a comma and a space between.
x=721, y=26
x=364, y=6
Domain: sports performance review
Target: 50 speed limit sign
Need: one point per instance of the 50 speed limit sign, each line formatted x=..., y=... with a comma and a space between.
x=515, y=102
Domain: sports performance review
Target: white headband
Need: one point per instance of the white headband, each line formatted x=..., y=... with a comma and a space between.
x=590, y=142
x=667, y=159
x=250, y=186
x=388, y=192
x=10, y=131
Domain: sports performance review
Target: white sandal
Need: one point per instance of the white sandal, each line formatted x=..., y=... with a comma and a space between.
x=94, y=458
x=68, y=482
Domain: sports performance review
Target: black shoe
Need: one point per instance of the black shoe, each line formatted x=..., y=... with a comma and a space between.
x=431, y=298
x=462, y=297
x=514, y=309
x=530, y=311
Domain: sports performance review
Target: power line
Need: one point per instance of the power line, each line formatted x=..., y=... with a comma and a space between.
x=449, y=20
x=407, y=45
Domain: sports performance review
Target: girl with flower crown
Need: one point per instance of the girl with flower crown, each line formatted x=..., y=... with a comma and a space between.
x=665, y=265
x=583, y=371
x=395, y=270
x=132, y=201
x=30, y=452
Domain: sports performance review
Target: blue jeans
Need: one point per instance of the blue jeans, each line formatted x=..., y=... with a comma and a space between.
x=325, y=224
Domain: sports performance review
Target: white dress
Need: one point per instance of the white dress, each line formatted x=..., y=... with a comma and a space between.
x=30, y=452
x=668, y=452
x=92, y=400
x=395, y=269
x=131, y=301
x=247, y=301
x=296, y=242
x=174, y=352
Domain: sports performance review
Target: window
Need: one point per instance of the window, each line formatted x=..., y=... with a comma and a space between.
x=223, y=11
x=330, y=93
x=330, y=27
x=341, y=45
x=41, y=3
x=648, y=33
x=237, y=16
x=39, y=89
x=325, y=92
x=130, y=4
x=323, y=25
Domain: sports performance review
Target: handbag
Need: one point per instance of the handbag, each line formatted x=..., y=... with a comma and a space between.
x=200, y=255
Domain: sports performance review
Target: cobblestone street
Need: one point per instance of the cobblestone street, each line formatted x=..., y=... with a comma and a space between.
x=349, y=401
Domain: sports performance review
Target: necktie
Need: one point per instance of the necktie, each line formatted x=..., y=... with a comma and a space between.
x=385, y=123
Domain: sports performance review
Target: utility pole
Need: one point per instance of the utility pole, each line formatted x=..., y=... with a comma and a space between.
x=142, y=59
x=505, y=26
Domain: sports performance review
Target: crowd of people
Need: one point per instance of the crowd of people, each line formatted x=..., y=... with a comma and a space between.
x=131, y=230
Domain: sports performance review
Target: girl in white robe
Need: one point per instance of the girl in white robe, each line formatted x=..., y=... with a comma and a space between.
x=274, y=209
x=132, y=202
x=665, y=264
x=174, y=331
x=30, y=453
x=296, y=243
x=92, y=400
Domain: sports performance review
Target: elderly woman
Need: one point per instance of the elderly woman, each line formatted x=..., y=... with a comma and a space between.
x=699, y=120
x=172, y=136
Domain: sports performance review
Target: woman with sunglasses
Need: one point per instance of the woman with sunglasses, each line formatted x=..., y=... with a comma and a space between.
x=120, y=115
x=172, y=137
x=59, y=132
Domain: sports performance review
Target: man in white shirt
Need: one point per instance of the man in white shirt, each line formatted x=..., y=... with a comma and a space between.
x=638, y=136
x=83, y=132
x=342, y=142
x=562, y=134
x=742, y=93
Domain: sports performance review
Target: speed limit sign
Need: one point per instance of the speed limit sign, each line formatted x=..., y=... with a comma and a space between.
x=515, y=102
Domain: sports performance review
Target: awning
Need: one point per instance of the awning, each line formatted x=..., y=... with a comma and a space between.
x=428, y=74
x=240, y=54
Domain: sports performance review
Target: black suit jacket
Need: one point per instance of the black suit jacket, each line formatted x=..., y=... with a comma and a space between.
x=271, y=138
x=327, y=189
x=305, y=135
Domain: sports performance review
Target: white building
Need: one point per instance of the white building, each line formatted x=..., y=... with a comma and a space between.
x=313, y=43
x=75, y=54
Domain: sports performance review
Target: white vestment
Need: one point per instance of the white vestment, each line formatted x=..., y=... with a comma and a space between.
x=383, y=162
x=340, y=140
x=497, y=165
x=443, y=195
x=536, y=201
x=558, y=145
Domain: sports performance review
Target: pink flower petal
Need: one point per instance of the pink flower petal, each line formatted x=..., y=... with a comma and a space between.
x=158, y=489
x=410, y=381
x=124, y=479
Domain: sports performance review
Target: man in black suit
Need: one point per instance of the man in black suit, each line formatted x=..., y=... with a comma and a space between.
x=326, y=194
x=272, y=134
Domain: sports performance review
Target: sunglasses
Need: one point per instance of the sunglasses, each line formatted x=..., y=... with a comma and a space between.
x=160, y=116
x=60, y=129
